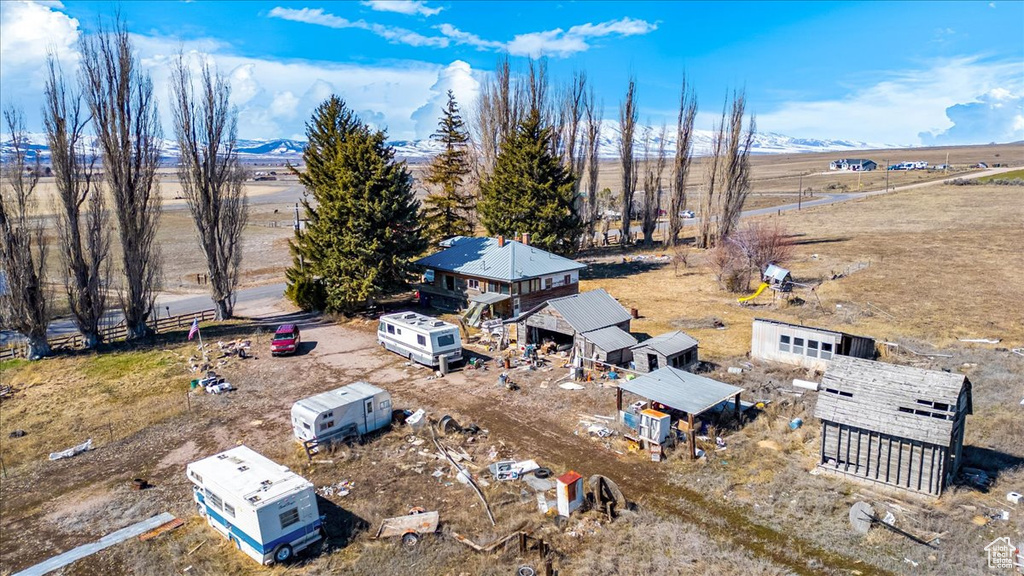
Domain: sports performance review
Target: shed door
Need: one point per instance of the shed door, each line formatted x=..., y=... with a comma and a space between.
x=652, y=362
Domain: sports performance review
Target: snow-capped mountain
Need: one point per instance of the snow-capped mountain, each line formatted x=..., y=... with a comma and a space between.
x=414, y=150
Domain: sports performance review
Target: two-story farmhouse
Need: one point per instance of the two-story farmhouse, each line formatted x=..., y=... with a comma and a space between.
x=504, y=277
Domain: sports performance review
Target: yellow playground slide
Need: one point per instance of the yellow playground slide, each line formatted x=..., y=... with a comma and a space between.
x=755, y=294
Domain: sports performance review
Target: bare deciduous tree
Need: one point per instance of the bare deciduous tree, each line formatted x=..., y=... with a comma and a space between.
x=82, y=220
x=759, y=244
x=654, y=171
x=592, y=148
x=24, y=304
x=127, y=125
x=627, y=133
x=683, y=159
x=727, y=182
x=572, y=107
x=206, y=126
x=499, y=110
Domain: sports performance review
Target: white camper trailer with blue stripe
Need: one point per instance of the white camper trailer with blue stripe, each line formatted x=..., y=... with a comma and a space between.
x=264, y=509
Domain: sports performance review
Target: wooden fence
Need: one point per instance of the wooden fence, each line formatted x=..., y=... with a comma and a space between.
x=114, y=333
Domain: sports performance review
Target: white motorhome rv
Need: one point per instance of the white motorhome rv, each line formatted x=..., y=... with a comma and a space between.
x=264, y=509
x=420, y=338
x=352, y=410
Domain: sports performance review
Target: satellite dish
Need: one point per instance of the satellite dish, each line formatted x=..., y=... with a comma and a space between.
x=861, y=517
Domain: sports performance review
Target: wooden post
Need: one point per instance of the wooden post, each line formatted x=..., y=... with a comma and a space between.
x=618, y=401
x=693, y=437
x=522, y=543
x=739, y=413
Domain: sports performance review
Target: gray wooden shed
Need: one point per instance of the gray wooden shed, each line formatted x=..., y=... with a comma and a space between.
x=897, y=425
x=672, y=349
x=593, y=324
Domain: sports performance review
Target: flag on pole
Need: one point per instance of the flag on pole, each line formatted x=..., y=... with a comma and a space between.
x=195, y=328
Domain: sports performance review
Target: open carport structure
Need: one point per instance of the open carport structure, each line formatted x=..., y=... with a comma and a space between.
x=683, y=392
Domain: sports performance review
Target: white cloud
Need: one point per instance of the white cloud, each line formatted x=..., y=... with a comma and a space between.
x=464, y=83
x=393, y=34
x=996, y=116
x=900, y=107
x=407, y=7
x=557, y=42
x=28, y=32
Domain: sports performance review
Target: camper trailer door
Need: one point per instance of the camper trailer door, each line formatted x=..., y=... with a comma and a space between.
x=369, y=415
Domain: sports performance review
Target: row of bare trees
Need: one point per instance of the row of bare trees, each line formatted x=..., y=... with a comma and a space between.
x=114, y=98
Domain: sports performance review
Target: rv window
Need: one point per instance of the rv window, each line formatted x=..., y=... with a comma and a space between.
x=369, y=406
x=446, y=340
x=380, y=327
x=391, y=329
x=215, y=500
x=421, y=340
x=326, y=425
x=306, y=425
x=398, y=331
x=229, y=510
x=384, y=404
x=289, y=517
x=784, y=343
x=197, y=477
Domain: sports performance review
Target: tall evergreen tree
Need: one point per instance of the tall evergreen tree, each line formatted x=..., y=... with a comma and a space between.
x=448, y=211
x=531, y=191
x=362, y=221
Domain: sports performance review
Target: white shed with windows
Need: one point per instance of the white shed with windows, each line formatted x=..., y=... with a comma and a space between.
x=264, y=509
x=805, y=345
x=349, y=411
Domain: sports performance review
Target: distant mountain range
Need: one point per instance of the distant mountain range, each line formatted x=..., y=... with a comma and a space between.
x=419, y=150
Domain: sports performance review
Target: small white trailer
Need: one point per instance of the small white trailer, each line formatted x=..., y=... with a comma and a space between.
x=264, y=509
x=349, y=411
x=420, y=338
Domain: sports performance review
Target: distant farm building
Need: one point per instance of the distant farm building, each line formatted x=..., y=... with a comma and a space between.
x=853, y=165
x=673, y=349
x=499, y=276
x=804, y=345
x=592, y=324
x=897, y=425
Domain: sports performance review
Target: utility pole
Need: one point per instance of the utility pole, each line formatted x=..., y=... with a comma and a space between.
x=296, y=216
x=800, y=193
x=886, y=174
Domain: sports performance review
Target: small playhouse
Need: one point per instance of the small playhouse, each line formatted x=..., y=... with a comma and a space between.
x=777, y=278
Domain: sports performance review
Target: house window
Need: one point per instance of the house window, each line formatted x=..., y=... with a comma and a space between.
x=798, y=346
x=289, y=518
x=504, y=288
x=472, y=283
x=492, y=286
x=812, y=348
x=229, y=510
x=567, y=280
x=826, y=350
x=391, y=329
x=421, y=340
x=212, y=498
x=784, y=343
x=449, y=282
x=524, y=287
x=548, y=283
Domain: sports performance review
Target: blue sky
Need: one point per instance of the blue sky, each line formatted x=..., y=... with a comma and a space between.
x=894, y=73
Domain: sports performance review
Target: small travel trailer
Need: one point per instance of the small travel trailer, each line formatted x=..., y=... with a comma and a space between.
x=264, y=509
x=420, y=338
x=352, y=410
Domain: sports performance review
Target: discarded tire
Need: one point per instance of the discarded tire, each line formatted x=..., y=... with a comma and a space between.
x=526, y=571
x=447, y=425
x=542, y=473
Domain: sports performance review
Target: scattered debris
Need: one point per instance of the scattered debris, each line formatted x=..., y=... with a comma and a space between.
x=416, y=421
x=795, y=423
x=805, y=384
x=863, y=516
x=600, y=431
x=1014, y=497
x=735, y=370
x=517, y=533
x=162, y=529
x=605, y=495
x=19, y=433
x=571, y=386
x=977, y=478
x=342, y=488
x=410, y=526
x=447, y=425
x=981, y=340
x=469, y=479
x=73, y=451
x=140, y=484
x=6, y=391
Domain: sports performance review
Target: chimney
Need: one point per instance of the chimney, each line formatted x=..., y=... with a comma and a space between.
x=526, y=238
x=501, y=241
